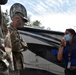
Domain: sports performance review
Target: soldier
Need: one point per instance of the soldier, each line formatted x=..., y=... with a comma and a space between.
x=4, y=64
x=18, y=15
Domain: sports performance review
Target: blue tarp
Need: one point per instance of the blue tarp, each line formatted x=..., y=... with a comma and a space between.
x=54, y=51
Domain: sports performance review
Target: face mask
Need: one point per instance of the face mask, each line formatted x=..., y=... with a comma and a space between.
x=67, y=37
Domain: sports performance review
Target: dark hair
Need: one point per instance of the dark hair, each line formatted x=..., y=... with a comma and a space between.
x=73, y=43
x=72, y=31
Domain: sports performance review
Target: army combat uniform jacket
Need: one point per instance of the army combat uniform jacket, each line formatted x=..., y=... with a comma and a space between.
x=18, y=45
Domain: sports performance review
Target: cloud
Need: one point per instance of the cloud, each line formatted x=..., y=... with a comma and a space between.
x=42, y=7
x=56, y=14
x=56, y=6
x=58, y=22
x=45, y=3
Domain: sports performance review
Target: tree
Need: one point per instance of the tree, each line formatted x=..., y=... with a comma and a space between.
x=36, y=23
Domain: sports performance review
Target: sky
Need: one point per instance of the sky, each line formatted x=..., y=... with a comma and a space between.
x=56, y=15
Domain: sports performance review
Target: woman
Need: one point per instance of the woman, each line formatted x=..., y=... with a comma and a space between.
x=67, y=52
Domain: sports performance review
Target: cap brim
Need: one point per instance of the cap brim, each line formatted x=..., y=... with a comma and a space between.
x=25, y=19
x=21, y=15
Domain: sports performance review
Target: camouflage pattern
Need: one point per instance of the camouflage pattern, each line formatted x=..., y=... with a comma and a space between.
x=17, y=47
x=4, y=64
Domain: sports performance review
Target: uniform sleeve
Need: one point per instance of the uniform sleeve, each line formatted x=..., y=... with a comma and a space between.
x=24, y=45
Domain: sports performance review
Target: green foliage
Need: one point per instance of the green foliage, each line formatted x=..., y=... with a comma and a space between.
x=36, y=23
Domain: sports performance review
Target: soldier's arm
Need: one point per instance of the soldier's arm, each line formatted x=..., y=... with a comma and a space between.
x=24, y=45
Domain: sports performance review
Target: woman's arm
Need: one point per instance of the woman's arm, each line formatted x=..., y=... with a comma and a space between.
x=61, y=48
x=60, y=53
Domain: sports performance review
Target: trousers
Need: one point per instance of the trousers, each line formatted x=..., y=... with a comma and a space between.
x=4, y=73
x=16, y=72
x=70, y=72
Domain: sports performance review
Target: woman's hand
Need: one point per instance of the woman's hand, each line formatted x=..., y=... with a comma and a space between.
x=63, y=42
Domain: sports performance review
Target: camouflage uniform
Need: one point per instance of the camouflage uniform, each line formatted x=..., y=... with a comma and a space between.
x=17, y=48
x=4, y=64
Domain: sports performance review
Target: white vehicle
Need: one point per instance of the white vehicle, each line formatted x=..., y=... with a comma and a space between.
x=42, y=50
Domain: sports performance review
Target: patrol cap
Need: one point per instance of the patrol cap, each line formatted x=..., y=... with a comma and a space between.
x=20, y=10
x=21, y=15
